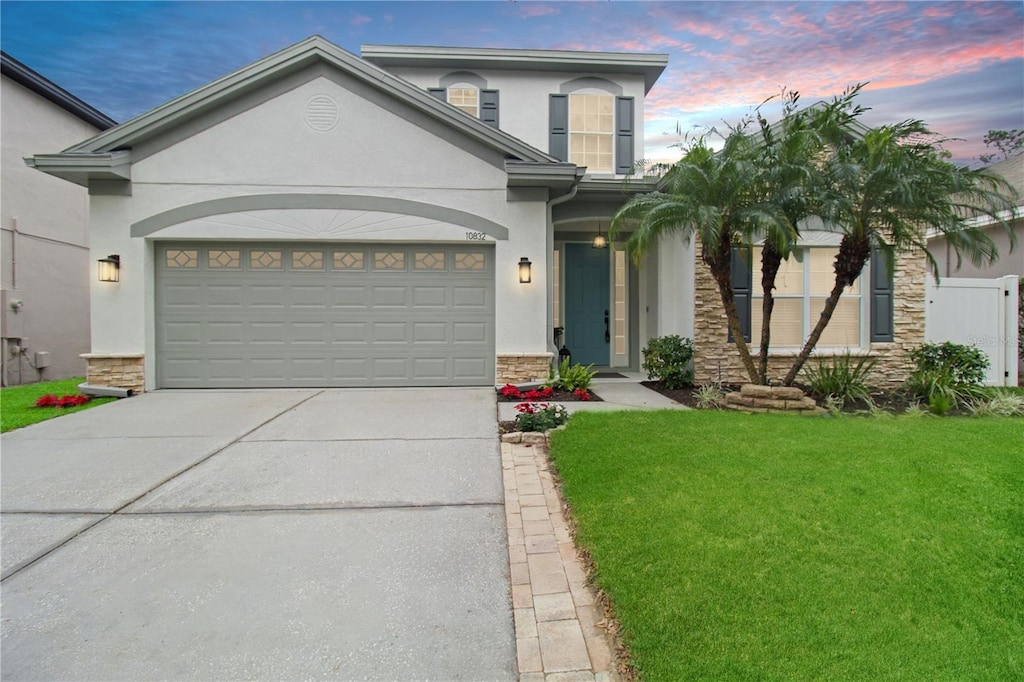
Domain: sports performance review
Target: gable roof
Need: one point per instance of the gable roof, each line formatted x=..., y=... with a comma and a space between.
x=42, y=86
x=107, y=150
x=648, y=64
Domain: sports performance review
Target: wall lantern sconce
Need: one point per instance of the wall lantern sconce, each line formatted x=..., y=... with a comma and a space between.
x=600, y=241
x=525, y=270
x=110, y=268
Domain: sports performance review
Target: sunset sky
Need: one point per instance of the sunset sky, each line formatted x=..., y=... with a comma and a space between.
x=957, y=65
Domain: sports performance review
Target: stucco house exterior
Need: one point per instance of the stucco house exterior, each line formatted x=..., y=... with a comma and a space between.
x=416, y=216
x=44, y=285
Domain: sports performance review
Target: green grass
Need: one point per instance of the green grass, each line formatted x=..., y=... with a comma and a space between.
x=18, y=403
x=771, y=547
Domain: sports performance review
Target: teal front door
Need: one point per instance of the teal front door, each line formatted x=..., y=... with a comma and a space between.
x=587, y=334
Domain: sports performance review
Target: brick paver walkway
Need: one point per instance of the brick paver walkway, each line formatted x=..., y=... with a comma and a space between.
x=555, y=611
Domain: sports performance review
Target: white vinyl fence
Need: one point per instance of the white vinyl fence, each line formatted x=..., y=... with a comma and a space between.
x=980, y=313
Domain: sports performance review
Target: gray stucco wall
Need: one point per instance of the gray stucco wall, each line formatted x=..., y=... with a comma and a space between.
x=47, y=263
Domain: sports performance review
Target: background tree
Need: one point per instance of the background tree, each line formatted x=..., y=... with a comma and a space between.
x=1008, y=144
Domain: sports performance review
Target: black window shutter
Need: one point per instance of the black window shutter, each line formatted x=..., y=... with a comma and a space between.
x=742, y=277
x=440, y=93
x=881, y=301
x=623, y=134
x=558, y=120
x=489, y=107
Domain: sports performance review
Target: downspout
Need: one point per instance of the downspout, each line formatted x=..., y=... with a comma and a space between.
x=550, y=245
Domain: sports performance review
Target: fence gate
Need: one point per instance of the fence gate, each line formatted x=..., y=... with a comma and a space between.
x=980, y=313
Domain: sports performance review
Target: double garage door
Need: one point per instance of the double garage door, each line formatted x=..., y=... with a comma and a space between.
x=239, y=315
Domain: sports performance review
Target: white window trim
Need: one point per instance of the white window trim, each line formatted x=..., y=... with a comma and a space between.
x=864, y=344
x=463, y=86
x=611, y=133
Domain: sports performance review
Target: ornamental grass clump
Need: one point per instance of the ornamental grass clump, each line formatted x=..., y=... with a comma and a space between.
x=845, y=378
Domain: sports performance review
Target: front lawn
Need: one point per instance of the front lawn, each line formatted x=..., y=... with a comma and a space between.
x=772, y=547
x=17, y=403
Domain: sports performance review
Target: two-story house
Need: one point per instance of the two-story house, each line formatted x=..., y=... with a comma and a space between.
x=44, y=284
x=417, y=216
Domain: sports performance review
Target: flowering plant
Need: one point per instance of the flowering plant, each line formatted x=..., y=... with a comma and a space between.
x=582, y=394
x=510, y=391
x=50, y=400
x=540, y=416
x=539, y=394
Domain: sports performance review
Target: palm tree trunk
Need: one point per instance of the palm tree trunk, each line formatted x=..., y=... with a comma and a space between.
x=720, y=264
x=853, y=254
x=771, y=260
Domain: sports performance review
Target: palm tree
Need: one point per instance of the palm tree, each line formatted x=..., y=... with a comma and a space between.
x=887, y=188
x=715, y=197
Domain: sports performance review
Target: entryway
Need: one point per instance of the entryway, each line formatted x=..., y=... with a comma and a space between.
x=587, y=305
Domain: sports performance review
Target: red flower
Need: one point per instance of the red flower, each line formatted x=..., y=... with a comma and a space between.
x=547, y=392
x=533, y=394
x=582, y=394
x=526, y=408
x=50, y=400
x=510, y=391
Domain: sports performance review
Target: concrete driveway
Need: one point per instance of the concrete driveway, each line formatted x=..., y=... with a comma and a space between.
x=292, y=534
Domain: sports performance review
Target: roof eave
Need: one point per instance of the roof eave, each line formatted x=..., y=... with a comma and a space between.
x=83, y=168
x=294, y=58
x=26, y=77
x=557, y=175
x=649, y=64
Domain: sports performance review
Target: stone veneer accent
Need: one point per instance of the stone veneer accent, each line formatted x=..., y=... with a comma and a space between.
x=755, y=398
x=715, y=358
x=521, y=368
x=116, y=370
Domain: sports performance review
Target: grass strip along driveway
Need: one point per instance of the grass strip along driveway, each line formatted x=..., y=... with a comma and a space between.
x=769, y=547
x=18, y=403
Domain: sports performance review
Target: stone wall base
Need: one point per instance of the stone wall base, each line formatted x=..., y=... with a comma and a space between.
x=755, y=398
x=521, y=368
x=116, y=370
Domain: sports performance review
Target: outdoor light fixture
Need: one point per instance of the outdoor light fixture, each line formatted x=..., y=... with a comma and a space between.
x=600, y=241
x=524, y=270
x=110, y=268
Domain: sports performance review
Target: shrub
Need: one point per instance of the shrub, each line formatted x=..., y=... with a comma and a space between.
x=540, y=416
x=963, y=364
x=845, y=377
x=573, y=378
x=669, y=359
x=947, y=375
x=709, y=396
x=50, y=400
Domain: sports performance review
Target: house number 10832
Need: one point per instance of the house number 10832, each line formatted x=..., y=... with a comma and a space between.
x=476, y=236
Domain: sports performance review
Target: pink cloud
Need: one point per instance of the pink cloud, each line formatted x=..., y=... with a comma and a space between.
x=529, y=10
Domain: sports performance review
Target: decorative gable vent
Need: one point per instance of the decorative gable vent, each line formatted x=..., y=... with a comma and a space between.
x=321, y=113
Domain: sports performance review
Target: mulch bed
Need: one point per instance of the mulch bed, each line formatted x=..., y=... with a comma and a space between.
x=559, y=396
x=894, y=402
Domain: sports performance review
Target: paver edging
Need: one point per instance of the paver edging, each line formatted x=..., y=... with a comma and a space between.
x=556, y=606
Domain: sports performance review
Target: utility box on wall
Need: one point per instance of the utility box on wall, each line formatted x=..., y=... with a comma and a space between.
x=12, y=319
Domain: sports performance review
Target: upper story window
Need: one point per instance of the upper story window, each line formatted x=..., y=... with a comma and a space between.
x=591, y=132
x=465, y=98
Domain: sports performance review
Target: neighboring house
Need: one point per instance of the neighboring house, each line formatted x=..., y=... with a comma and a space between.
x=44, y=304
x=419, y=216
x=1011, y=261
